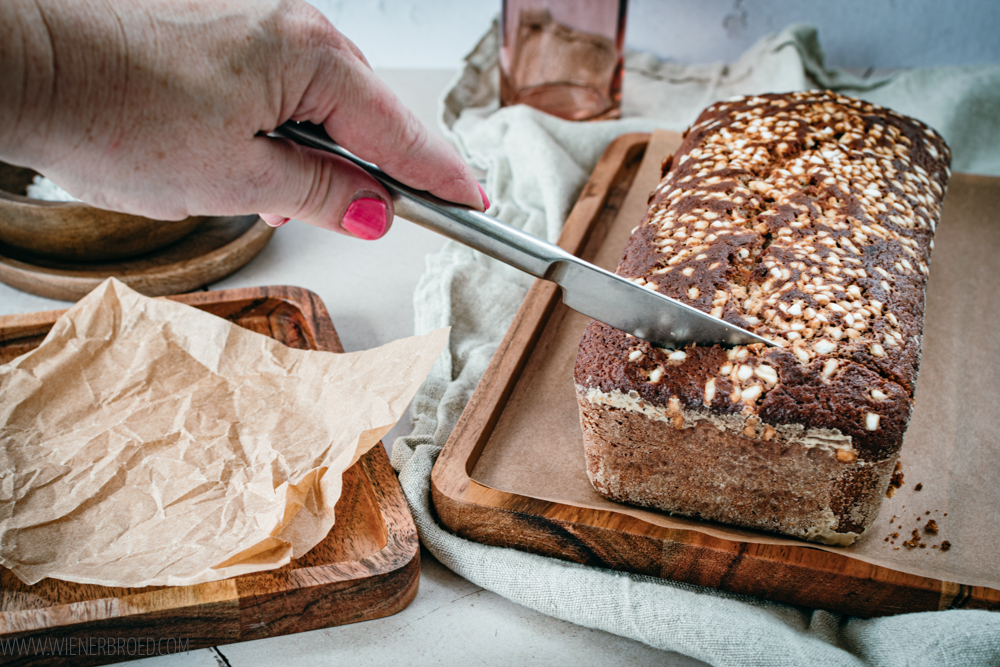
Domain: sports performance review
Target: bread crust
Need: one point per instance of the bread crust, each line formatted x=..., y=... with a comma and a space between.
x=807, y=218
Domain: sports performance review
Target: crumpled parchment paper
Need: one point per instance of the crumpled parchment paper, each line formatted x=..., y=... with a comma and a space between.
x=146, y=442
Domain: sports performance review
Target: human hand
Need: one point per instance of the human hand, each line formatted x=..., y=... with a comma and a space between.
x=159, y=108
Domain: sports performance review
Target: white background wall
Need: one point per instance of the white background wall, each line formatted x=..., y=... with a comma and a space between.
x=854, y=33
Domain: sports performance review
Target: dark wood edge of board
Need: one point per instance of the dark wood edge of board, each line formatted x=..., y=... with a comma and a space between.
x=387, y=580
x=599, y=538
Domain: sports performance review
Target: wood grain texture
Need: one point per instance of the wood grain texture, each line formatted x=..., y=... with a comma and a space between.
x=367, y=567
x=74, y=231
x=799, y=575
x=216, y=248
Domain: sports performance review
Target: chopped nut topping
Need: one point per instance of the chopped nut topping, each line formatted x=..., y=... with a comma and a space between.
x=767, y=374
x=846, y=456
x=806, y=219
x=871, y=421
x=825, y=347
x=709, y=391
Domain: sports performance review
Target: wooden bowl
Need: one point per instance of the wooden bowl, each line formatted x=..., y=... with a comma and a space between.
x=75, y=231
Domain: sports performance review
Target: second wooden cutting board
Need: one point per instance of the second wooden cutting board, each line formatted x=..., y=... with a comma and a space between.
x=367, y=567
x=512, y=472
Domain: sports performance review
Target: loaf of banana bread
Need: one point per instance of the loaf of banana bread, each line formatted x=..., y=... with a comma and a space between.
x=807, y=218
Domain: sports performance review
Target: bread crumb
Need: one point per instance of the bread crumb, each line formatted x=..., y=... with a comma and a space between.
x=930, y=527
x=895, y=481
x=913, y=541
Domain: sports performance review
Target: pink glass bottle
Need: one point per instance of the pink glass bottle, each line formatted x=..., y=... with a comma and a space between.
x=563, y=57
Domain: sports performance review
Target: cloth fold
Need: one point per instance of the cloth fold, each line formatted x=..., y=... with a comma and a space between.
x=536, y=165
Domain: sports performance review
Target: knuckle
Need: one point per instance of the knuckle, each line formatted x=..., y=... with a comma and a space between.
x=313, y=198
x=410, y=151
x=410, y=140
x=309, y=31
x=323, y=198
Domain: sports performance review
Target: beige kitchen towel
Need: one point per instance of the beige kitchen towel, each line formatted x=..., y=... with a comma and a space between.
x=536, y=165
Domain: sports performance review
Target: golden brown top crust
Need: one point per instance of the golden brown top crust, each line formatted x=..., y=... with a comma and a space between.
x=807, y=218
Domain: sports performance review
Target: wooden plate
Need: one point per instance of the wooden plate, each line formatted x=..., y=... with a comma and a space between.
x=74, y=231
x=367, y=567
x=620, y=539
x=217, y=247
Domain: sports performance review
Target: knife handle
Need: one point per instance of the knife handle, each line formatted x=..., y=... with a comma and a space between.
x=460, y=223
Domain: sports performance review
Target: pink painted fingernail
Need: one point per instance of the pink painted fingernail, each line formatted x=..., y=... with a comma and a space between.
x=482, y=193
x=366, y=218
x=273, y=220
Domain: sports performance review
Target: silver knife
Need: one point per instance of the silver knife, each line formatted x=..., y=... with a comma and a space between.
x=586, y=288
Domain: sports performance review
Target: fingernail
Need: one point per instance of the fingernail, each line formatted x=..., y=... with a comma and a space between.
x=482, y=193
x=365, y=218
x=273, y=220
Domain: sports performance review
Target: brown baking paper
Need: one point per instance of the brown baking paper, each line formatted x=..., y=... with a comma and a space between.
x=146, y=442
x=952, y=446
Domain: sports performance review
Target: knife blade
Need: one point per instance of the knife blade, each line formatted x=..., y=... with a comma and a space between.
x=587, y=289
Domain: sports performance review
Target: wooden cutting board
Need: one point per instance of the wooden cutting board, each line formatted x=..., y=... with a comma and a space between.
x=522, y=395
x=367, y=567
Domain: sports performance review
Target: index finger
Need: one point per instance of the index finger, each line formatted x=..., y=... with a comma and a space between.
x=366, y=118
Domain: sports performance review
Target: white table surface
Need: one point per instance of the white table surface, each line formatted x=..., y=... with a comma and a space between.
x=368, y=289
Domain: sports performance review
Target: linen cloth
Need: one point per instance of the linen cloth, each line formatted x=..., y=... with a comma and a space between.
x=536, y=165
